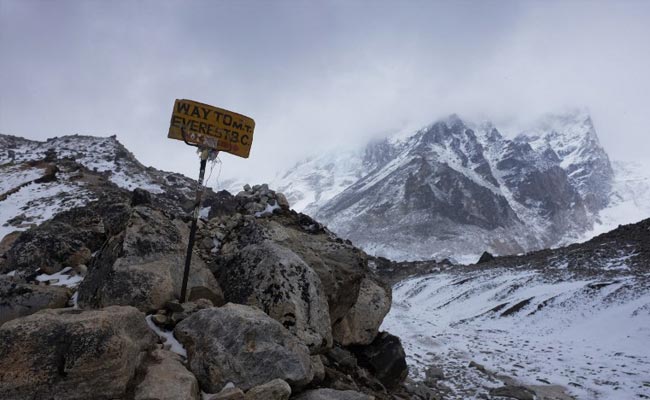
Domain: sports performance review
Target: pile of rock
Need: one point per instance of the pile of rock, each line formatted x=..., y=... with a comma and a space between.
x=278, y=308
x=259, y=198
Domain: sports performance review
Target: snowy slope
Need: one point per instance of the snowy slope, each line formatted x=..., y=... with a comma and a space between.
x=41, y=179
x=578, y=317
x=312, y=182
x=629, y=199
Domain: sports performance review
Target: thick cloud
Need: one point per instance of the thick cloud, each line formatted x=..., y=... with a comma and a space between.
x=317, y=75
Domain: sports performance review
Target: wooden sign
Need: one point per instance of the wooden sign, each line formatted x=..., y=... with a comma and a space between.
x=212, y=127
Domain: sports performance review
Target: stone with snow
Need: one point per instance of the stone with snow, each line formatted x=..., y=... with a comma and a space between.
x=18, y=299
x=50, y=246
x=228, y=393
x=242, y=345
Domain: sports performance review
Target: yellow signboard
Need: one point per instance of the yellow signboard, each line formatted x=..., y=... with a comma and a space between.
x=212, y=127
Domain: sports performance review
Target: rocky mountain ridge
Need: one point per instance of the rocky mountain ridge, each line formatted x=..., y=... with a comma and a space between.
x=456, y=188
x=90, y=276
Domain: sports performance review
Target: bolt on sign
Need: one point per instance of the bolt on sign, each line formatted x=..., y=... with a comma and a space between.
x=212, y=127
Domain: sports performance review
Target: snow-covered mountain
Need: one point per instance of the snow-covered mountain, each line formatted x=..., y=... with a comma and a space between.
x=576, y=316
x=455, y=189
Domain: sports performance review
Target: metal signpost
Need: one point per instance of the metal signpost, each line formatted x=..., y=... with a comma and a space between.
x=211, y=129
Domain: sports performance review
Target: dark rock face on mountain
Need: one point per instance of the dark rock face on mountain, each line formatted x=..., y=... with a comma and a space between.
x=571, y=140
x=456, y=189
x=78, y=279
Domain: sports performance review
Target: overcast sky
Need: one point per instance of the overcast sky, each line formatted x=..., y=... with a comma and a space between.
x=317, y=75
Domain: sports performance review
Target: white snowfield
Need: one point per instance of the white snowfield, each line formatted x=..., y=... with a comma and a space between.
x=591, y=336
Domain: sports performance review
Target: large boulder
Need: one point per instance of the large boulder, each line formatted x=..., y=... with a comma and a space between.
x=385, y=358
x=279, y=282
x=143, y=265
x=72, y=354
x=340, y=266
x=166, y=378
x=242, y=345
x=361, y=324
x=331, y=394
x=18, y=299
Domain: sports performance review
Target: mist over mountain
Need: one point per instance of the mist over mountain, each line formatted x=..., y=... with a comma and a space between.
x=456, y=188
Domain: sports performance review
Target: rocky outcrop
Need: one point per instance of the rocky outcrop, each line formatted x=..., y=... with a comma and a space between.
x=242, y=345
x=294, y=270
x=74, y=354
x=21, y=299
x=143, y=265
x=295, y=280
x=58, y=242
x=165, y=378
x=485, y=257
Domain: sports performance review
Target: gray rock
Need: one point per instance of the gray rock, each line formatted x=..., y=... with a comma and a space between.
x=361, y=324
x=434, y=373
x=339, y=265
x=331, y=394
x=167, y=379
x=513, y=392
x=21, y=299
x=343, y=358
x=318, y=368
x=7, y=241
x=143, y=265
x=206, y=293
x=276, y=389
x=73, y=353
x=140, y=196
x=279, y=282
x=282, y=200
x=385, y=357
x=231, y=393
x=242, y=345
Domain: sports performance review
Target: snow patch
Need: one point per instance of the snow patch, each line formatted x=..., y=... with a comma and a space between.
x=61, y=278
x=167, y=338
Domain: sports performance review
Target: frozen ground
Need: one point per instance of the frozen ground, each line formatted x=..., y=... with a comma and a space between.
x=589, y=335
